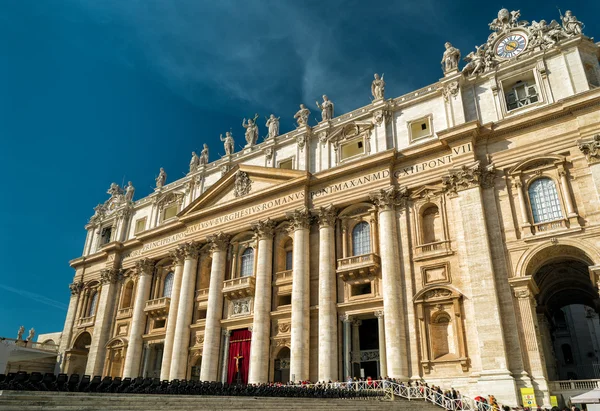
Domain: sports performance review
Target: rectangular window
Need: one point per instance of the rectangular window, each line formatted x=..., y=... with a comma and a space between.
x=160, y=323
x=420, y=128
x=170, y=212
x=201, y=314
x=360, y=289
x=106, y=235
x=289, y=258
x=140, y=225
x=521, y=95
x=284, y=300
x=353, y=148
x=287, y=164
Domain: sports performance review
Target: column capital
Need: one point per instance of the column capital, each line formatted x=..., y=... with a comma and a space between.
x=226, y=333
x=378, y=313
x=523, y=287
x=190, y=250
x=465, y=177
x=590, y=147
x=356, y=323
x=345, y=318
x=218, y=241
x=264, y=229
x=110, y=275
x=326, y=216
x=178, y=255
x=145, y=266
x=386, y=198
x=76, y=287
x=299, y=219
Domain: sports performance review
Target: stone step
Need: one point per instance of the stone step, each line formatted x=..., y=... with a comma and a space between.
x=29, y=401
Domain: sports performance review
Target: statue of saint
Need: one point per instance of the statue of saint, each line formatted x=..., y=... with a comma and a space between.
x=301, y=116
x=570, y=23
x=251, y=131
x=20, y=333
x=228, y=143
x=194, y=162
x=129, y=191
x=204, y=155
x=326, y=108
x=378, y=87
x=273, y=126
x=161, y=179
x=450, y=58
x=31, y=335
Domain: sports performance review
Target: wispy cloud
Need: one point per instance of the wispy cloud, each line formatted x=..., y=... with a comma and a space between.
x=36, y=297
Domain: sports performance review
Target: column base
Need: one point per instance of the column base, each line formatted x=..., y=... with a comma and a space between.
x=500, y=384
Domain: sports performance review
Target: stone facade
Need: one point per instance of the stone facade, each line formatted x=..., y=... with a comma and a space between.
x=415, y=214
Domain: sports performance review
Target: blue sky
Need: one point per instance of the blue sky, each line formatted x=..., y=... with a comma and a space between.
x=96, y=91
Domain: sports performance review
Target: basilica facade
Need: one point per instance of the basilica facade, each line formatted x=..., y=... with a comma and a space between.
x=435, y=235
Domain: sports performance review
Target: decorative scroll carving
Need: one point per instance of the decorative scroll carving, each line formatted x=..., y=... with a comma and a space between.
x=522, y=293
x=264, y=229
x=387, y=198
x=326, y=216
x=378, y=314
x=242, y=185
x=145, y=266
x=450, y=90
x=283, y=328
x=437, y=293
x=76, y=287
x=591, y=149
x=190, y=250
x=269, y=154
x=110, y=275
x=299, y=219
x=218, y=241
x=464, y=177
x=301, y=140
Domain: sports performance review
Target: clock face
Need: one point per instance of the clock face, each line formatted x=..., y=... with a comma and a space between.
x=511, y=46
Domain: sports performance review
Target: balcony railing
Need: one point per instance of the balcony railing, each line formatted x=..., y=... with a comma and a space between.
x=158, y=306
x=359, y=265
x=202, y=295
x=86, y=321
x=239, y=287
x=432, y=248
x=124, y=313
x=574, y=385
x=550, y=226
x=283, y=277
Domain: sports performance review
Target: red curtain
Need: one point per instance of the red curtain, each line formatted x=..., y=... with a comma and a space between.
x=239, y=346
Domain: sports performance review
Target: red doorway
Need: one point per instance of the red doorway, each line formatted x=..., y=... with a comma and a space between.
x=239, y=357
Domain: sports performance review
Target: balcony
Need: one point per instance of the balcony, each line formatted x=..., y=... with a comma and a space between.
x=239, y=287
x=360, y=265
x=431, y=250
x=202, y=295
x=86, y=321
x=124, y=313
x=550, y=226
x=157, y=307
x=283, y=277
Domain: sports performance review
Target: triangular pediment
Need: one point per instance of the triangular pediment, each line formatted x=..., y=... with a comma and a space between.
x=244, y=182
x=427, y=191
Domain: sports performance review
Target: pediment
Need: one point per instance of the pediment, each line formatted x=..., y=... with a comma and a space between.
x=426, y=192
x=532, y=163
x=351, y=130
x=243, y=182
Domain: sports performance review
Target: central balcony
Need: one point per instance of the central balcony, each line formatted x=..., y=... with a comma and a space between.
x=239, y=287
x=157, y=307
x=86, y=321
x=359, y=265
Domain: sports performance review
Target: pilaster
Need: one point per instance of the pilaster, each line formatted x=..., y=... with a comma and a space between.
x=65, y=341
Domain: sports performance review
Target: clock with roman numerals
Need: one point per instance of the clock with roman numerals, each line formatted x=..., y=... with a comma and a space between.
x=511, y=46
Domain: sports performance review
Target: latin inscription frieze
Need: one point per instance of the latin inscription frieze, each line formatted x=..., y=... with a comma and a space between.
x=434, y=162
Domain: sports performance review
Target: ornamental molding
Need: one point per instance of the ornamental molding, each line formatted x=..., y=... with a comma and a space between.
x=326, y=216
x=240, y=307
x=264, y=229
x=590, y=148
x=299, y=219
x=76, y=287
x=110, y=275
x=242, y=184
x=145, y=266
x=466, y=177
x=387, y=198
x=178, y=255
x=168, y=199
x=190, y=250
x=450, y=89
x=218, y=241
x=118, y=205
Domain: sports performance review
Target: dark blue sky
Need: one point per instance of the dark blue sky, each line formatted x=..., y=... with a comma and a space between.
x=95, y=91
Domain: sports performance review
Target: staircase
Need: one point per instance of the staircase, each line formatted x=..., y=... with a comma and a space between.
x=29, y=401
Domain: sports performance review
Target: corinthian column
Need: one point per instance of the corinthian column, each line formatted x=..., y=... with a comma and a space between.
x=181, y=340
x=145, y=268
x=395, y=334
x=178, y=256
x=67, y=333
x=300, y=224
x=214, y=313
x=104, y=316
x=259, y=348
x=328, y=340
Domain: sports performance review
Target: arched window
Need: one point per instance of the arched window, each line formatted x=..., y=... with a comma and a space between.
x=289, y=259
x=247, y=268
x=168, y=285
x=361, y=239
x=93, y=303
x=127, y=295
x=431, y=222
x=543, y=197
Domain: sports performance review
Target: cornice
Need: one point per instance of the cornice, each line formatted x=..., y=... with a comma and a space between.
x=372, y=161
x=161, y=229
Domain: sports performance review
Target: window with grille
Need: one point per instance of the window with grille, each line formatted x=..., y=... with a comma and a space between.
x=361, y=239
x=521, y=94
x=93, y=303
x=247, y=268
x=545, y=205
x=289, y=260
x=168, y=285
